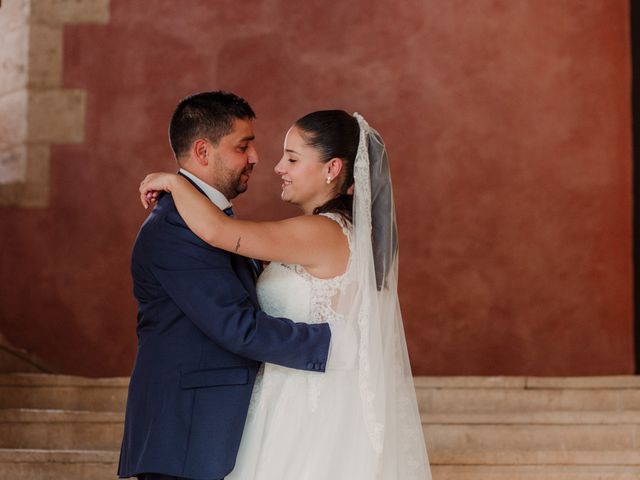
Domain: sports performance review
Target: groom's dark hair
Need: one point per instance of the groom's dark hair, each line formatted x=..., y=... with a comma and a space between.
x=207, y=115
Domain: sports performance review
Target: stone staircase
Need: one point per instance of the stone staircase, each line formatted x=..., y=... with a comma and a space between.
x=60, y=427
x=477, y=428
x=480, y=428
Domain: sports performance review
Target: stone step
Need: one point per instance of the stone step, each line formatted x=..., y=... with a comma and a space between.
x=57, y=464
x=628, y=457
x=435, y=394
x=532, y=432
x=538, y=457
x=98, y=465
x=530, y=383
x=526, y=437
x=534, y=418
x=63, y=392
x=534, y=472
x=559, y=431
x=526, y=394
x=60, y=429
x=492, y=400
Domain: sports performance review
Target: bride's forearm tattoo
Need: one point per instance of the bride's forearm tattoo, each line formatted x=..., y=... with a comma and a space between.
x=238, y=244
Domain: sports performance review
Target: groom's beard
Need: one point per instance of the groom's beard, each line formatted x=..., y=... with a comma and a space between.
x=230, y=182
x=241, y=181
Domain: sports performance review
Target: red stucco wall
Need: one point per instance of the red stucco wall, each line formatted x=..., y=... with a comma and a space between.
x=508, y=128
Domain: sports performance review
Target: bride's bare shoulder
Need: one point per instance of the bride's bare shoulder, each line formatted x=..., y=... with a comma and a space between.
x=331, y=224
x=327, y=246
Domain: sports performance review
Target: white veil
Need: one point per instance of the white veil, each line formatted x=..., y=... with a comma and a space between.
x=385, y=380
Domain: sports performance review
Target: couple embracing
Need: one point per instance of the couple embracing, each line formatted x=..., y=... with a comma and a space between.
x=298, y=371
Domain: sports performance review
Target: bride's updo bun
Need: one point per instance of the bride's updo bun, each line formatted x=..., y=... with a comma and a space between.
x=335, y=134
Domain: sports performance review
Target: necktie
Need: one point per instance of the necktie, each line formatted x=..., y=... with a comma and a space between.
x=257, y=267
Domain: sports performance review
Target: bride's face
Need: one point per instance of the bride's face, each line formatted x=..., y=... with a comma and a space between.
x=303, y=173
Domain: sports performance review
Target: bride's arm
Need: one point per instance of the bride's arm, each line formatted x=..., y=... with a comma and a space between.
x=308, y=240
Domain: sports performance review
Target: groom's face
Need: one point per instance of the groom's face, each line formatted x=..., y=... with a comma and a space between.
x=233, y=159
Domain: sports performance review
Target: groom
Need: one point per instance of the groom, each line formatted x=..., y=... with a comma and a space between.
x=201, y=335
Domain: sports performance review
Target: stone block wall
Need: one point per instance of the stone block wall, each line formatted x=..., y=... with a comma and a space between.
x=35, y=110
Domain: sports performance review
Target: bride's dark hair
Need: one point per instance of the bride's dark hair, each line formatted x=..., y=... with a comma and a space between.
x=335, y=134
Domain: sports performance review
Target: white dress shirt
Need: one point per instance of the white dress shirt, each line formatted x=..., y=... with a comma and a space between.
x=217, y=198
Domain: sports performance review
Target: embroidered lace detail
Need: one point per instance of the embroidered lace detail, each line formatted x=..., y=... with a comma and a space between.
x=362, y=182
x=322, y=295
x=256, y=397
x=324, y=292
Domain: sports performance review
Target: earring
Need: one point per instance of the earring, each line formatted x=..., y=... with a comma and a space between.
x=329, y=179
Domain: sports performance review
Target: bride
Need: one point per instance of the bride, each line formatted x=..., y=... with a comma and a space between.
x=336, y=263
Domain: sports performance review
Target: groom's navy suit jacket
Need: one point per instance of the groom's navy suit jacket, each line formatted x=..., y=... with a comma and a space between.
x=201, y=338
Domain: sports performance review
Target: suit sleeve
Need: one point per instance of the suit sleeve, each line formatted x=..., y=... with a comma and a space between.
x=202, y=282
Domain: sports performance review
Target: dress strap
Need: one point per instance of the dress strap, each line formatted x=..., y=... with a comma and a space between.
x=346, y=226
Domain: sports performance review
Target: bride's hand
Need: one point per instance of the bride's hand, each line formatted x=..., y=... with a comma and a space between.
x=153, y=184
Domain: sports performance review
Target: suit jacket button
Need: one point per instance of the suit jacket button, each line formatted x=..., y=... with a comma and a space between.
x=310, y=365
x=322, y=366
x=317, y=366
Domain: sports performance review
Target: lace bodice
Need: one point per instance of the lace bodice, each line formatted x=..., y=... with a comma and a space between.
x=290, y=291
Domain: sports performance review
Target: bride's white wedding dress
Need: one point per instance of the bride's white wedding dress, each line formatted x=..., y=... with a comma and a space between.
x=356, y=424
x=304, y=425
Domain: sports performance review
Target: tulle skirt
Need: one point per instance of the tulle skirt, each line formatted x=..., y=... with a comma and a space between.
x=305, y=426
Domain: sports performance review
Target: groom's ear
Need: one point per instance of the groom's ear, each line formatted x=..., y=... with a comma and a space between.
x=200, y=151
